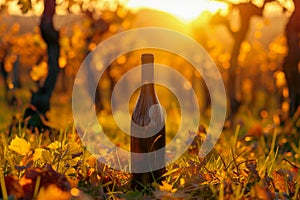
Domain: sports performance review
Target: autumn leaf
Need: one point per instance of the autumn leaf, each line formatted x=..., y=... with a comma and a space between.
x=13, y=187
x=26, y=5
x=279, y=181
x=53, y=192
x=260, y=191
x=282, y=182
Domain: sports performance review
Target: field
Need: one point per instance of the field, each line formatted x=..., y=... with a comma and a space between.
x=256, y=159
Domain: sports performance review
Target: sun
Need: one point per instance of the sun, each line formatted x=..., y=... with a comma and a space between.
x=185, y=10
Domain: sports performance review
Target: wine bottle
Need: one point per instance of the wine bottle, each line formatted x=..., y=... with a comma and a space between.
x=147, y=131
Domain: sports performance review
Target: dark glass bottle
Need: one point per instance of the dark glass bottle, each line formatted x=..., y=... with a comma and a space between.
x=147, y=131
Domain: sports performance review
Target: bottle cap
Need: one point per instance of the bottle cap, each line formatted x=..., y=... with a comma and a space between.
x=147, y=58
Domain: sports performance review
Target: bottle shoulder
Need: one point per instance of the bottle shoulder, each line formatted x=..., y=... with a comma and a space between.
x=147, y=105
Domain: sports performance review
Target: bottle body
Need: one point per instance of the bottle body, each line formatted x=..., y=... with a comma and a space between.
x=147, y=134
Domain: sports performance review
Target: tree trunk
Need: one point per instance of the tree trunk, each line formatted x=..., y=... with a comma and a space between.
x=3, y=72
x=98, y=27
x=290, y=64
x=34, y=115
x=51, y=38
x=246, y=12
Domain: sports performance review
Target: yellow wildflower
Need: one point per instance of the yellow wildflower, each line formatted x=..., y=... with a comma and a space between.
x=55, y=145
x=167, y=187
x=38, y=154
x=20, y=146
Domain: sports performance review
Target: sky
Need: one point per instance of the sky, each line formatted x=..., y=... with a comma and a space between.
x=185, y=10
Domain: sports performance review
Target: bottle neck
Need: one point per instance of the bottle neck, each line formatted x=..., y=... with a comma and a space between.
x=148, y=78
x=147, y=89
x=147, y=73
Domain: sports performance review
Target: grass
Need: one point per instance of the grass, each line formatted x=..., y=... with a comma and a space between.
x=255, y=159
